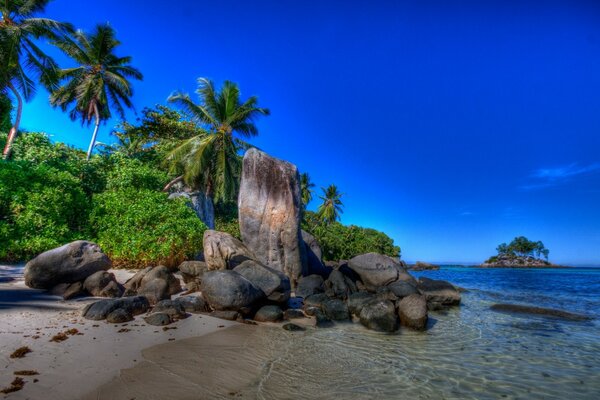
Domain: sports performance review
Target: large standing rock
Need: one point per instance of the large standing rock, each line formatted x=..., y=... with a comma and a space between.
x=274, y=284
x=269, y=213
x=438, y=294
x=412, y=311
x=228, y=290
x=70, y=263
x=377, y=270
x=314, y=256
x=223, y=251
x=379, y=315
x=198, y=201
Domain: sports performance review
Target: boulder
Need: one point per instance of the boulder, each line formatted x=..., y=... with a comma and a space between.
x=385, y=293
x=316, y=300
x=158, y=284
x=274, y=284
x=377, y=270
x=336, y=310
x=293, y=327
x=339, y=286
x=547, y=312
x=133, y=284
x=103, y=284
x=270, y=212
x=293, y=313
x=68, y=291
x=314, y=263
x=379, y=315
x=99, y=310
x=191, y=272
x=423, y=266
x=438, y=293
x=402, y=289
x=269, y=314
x=223, y=251
x=356, y=302
x=321, y=319
x=228, y=315
x=412, y=311
x=70, y=263
x=192, y=304
x=172, y=308
x=228, y=290
x=309, y=285
x=119, y=316
x=158, y=319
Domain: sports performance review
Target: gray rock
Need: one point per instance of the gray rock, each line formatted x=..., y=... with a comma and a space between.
x=357, y=301
x=156, y=284
x=133, y=284
x=385, y=293
x=228, y=315
x=547, y=312
x=423, y=266
x=113, y=289
x=314, y=255
x=103, y=284
x=293, y=313
x=192, y=304
x=403, y=288
x=379, y=315
x=99, y=310
x=321, y=319
x=336, y=310
x=412, y=311
x=438, y=293
x=316, y=300
x=70, y=263
x=119, y=316
x=274, y=284
x=377, y=270
x=223, y=251
x=198, y=201
x=191, y=272
x=173, y=309
x=228, y=290
x=309, y=285
x=158, y=319
x=273, y=236
x=68, y=291
x=339, y=286
x=293, y=327
x=269, y=314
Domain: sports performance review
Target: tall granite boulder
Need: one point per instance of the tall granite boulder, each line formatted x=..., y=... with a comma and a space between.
x=70, y=263
x=270, y=212
x=377, y=270
x=223, y=251
x=198, y=201
x=314, y=256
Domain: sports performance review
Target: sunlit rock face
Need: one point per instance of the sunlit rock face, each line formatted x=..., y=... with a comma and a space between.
x=270, y=212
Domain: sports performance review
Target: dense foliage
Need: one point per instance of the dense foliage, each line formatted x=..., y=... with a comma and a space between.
x=142, y=227
x=341, y=242
x=5, y=111
x=522, y=247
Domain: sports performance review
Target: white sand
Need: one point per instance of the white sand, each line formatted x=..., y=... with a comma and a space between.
x=75, y=367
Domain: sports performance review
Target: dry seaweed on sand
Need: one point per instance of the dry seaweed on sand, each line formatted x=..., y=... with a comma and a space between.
x=59, y=337
x=20, y=352
x=26, y=372
x=16, y=385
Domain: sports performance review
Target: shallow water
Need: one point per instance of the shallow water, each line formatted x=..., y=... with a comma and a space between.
x=468, y=352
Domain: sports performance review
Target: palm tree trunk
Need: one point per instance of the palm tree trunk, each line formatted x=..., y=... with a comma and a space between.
x=97, y=125
x=13, y=131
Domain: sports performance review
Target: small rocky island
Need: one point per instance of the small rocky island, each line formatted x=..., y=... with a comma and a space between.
x=520, y=253
x=275, y=274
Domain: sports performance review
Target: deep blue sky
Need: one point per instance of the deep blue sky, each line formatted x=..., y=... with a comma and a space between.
x=452, y=127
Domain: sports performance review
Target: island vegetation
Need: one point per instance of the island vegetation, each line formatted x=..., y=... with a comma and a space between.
x=520, y=252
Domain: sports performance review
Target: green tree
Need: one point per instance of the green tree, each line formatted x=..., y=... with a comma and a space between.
x=22, y=62
x=331, y=208
x=523, y=247
x=210, y=161
x=5, y=111
x=99, y=82
x=306, y=189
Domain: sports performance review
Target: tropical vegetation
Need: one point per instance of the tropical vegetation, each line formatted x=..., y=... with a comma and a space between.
x=521, y=247
x=332, y=207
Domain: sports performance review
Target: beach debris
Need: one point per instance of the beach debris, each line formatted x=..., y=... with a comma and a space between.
x=16, y=385
x=20, y=352
x=26, y=372
x=59, y=337
x=166, y=328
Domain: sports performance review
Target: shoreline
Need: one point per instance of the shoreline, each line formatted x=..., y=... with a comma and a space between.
x=88, y=359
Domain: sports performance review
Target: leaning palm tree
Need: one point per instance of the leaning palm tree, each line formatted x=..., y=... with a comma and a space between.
x=211, y=161
x=331, y=208
x=306, y=189
x=98, y=83
x=22, y=62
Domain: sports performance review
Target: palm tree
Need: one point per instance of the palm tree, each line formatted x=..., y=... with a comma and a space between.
x=210, y=161
x=331, y=208
x=22, y=62
x=306, y=189
x=99, y=82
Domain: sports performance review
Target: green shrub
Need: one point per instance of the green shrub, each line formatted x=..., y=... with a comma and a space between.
x=138, y=228
x=341, y=242
x=128, y=173
x=41, y=208
x=226, y=219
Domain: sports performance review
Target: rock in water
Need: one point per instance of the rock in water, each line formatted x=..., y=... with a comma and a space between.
x=228, y=290
x=357, y=301
x=269, y=213
x=223, y=251
x=439, y=294
x=412, y=311
x=377, y=270
x=70, y=263
x=379, y=315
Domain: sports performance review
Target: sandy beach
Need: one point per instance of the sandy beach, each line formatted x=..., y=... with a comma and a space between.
x=73, y=368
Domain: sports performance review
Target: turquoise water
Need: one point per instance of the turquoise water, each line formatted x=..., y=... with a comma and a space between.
x=468, y=352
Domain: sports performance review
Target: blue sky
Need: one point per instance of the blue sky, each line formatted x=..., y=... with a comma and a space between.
x=451, y=127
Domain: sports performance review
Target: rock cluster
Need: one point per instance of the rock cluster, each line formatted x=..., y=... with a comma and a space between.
x=512, y=261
